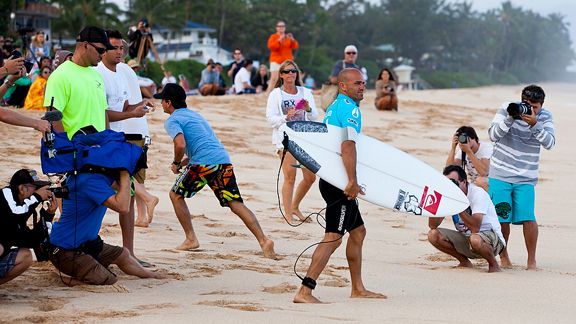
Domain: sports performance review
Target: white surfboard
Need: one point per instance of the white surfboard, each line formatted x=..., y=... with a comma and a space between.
x=390, y=178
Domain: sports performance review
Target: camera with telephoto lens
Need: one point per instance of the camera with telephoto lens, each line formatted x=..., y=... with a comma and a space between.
x=516, y=110
x=27, y=63
x=463, y=138
x=60, y=192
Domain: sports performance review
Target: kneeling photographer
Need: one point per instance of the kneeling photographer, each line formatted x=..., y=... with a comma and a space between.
x=471, y=154
x=75, y=248
x=18, y=201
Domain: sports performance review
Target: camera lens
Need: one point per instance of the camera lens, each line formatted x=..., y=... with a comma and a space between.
x=463, y=138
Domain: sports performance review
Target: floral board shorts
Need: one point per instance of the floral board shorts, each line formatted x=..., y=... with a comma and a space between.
x=220, y=178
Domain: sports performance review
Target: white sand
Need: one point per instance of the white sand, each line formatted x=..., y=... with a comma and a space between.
x=229, y=281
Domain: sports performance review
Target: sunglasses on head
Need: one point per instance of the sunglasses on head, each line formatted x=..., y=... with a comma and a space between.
x=351, y=53
x=289, y=71
x=100, y=50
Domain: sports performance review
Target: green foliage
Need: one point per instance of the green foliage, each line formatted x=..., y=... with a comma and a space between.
x=505, y=44
x=191, y=69
x=445, y=79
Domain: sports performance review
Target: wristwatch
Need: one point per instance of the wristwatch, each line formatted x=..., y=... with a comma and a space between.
x=176, y=163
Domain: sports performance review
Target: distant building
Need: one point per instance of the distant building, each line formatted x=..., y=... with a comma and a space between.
x=193, y=41
x=31, y=16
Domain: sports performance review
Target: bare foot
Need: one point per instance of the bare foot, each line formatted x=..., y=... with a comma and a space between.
x=505, y=263
x=465, y=264
x=367, y=294
x=268, y=249
x=150, y=206
x=141, y=223
x=296, y=212
x=305, y=298
x=495, y=268
x=531, y=266
x=188, y=245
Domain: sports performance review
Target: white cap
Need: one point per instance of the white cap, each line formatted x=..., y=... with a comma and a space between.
x=350, y=48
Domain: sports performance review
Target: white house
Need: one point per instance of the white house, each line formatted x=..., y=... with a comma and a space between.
x=193, y=41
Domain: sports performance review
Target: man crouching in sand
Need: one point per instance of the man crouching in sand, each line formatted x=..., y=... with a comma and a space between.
x=76, y=249
x=207, y=163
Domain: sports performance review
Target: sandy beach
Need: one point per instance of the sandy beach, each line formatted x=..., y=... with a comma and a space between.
x=228, y=280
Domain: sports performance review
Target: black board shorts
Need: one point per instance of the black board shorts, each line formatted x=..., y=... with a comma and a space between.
x=341, y=214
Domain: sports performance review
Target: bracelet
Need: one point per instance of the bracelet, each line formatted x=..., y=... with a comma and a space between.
x=8, y=83
x=176, y=163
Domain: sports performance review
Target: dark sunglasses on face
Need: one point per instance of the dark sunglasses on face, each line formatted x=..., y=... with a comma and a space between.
x=100, y=50
x=455, y=182
x=289, y=71
x=351, y=53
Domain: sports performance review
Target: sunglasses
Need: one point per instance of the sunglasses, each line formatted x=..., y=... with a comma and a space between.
x=289, y=71
x=280, y=26
x=455, y=182
x=351, y=53
x=100, y=50
x=46, y=72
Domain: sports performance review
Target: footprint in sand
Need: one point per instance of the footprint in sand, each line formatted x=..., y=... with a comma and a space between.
x=49, y=304
x=282, y=288
x=239, y=305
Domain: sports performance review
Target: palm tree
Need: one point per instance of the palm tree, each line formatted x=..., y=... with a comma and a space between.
x=76, y=14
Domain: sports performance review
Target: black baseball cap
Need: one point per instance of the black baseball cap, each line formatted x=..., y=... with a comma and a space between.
x=174, y=93
x=27, y=176
x=93, y=34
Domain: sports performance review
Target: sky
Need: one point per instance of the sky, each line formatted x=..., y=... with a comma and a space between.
x=565, y=7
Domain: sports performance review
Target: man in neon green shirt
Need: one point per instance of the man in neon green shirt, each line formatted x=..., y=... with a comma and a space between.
x=78, y=89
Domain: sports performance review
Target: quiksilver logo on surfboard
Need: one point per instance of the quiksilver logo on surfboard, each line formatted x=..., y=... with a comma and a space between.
x=430, y=202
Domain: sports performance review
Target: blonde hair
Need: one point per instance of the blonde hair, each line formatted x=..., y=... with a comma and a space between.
x=284, y=64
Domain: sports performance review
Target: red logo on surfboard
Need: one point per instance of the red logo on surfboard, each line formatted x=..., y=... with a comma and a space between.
x=430, y=202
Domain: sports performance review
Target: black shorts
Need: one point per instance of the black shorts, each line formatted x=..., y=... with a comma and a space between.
x=341, y=214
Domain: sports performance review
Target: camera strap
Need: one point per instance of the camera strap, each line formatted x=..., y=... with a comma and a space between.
x=463, y=159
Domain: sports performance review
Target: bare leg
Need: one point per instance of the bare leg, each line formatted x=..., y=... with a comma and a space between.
x=531, y=238
x=185, y=219
x=303, y=188
x=249, y=219
x=288, y=185
x=485, y=250
x=504, y=258
x=354, y=257
x=272, y=81
x=127, y=227
x=439, y=241
x=146, y=203
x=320, y=258
x=23, y=262
x=130, y=266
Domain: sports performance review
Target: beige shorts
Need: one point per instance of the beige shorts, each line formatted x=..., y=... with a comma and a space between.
x=461, y=242
x=274, y=66
x=139, y=176
x=86, y=268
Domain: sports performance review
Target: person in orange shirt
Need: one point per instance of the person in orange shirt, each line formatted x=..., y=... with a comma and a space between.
x=281, y=45
x=35, y=98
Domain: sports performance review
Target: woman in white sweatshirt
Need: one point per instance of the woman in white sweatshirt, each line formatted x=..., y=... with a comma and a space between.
x=290, y=101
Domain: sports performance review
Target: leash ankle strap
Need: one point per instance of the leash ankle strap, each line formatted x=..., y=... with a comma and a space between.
x=309, y=282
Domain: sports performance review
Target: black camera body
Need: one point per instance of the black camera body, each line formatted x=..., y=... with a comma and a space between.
x=60, y=192
x=463, y=138
x=27, y=63
x=516, y=110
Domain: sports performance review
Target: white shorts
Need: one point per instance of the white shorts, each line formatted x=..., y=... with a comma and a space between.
x=274, y=66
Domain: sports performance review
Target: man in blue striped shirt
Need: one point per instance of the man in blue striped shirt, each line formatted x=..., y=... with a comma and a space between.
x=518, y=136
